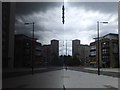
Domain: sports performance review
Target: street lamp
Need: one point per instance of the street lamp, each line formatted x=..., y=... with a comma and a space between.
x=32, y=53
x=98, y=44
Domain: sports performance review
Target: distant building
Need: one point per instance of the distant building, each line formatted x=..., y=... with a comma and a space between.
x=55, y=47
x=46, y=53
x=38, y=54
x=54, y=51
x=109, y=51
x=75, y=47
x=81, y=51
x=84, y=53
x=8, y=28
x=23, y=51
x=50, y=52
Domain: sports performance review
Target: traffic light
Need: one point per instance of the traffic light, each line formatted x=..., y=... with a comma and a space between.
x=63, y=13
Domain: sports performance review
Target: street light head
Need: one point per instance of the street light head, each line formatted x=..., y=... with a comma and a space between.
x=104, y=22
x=26, y=23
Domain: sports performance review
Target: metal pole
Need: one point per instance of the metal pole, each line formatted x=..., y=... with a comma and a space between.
x=98, y=49
x=33, y=50
x=66, y=47
x=32, y=47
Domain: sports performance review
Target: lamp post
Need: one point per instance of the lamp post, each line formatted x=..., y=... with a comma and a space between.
x=98, y=45
x=32, y=41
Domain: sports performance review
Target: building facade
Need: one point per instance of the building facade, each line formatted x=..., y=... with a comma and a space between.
x=54, y=51
x=51, y=52
x=46, y=53
x=8, y=28
x=55, y=47
x=75, y=47
x=81, y=51
x=93, y=54
x=27, y=50
x=38, y=54
x=84, y=54
x=108, y=51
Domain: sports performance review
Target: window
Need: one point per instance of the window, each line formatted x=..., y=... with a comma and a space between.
x=115, y=47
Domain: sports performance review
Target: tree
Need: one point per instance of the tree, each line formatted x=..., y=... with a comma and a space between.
x=75, y=61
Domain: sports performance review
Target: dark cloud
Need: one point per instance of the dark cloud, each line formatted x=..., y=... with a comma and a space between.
x=21, y=28
x=25, y=8
x=80, y=20
x=105, y=7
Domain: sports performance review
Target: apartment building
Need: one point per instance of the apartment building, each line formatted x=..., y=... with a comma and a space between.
x=108, y=51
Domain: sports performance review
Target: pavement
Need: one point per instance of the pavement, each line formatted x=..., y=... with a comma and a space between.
x=21, y=69
x=62, y=79
x=8, y=73
x=75, y=79
x=11, y=73
x=113, y=72
x=104, y=69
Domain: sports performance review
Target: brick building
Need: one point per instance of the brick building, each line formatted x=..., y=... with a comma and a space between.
x=108, y=50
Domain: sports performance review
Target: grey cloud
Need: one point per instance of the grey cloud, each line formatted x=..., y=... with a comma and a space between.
x=105, y=7
x=25, y=8
x=21, y=28
x=50, y=27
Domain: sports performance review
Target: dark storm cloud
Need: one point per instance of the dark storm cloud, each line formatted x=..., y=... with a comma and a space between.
x=21, y=28
x=25, y=8
x=80, y=20
x=105, y=7
x=47, y=18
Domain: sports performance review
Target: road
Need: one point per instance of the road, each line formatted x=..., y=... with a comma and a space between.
x=61, y=79
x=47, y=69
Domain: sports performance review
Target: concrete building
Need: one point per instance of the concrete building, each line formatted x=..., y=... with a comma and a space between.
x=50, y=52
x=54, y=51
x=8, y=28
x=75, y=47
x=38, y=54
x=81, y=51
x=55, y=47
x=46, y=54
x=108, y=50
x=84, y=53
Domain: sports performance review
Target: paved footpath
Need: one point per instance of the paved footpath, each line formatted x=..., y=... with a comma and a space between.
x=61, y=78
x=26, y=71
x=105, y=69
x=75, y=79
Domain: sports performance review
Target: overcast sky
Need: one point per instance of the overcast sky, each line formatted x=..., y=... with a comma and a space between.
x=80, y=21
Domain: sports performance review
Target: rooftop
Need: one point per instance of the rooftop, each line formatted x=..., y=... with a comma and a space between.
x=109, y=35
